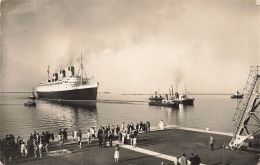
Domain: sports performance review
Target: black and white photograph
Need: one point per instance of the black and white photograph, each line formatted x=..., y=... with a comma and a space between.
x=130, y=82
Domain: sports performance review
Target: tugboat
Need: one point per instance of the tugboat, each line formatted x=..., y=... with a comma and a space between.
x=237, y=96
x=30, y=103
x=183, y=98
x=170, y=102
x=160, y=101
x=155, y=100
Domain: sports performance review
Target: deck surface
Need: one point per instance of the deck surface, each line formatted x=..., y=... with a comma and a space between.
x=152, y=148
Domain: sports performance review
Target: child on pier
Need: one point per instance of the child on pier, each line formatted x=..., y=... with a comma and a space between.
x=116, y=155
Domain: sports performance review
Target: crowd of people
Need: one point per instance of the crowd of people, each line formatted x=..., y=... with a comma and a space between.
x=38, y=144
x=13, y=148
x=125, y=134
x=194, y=160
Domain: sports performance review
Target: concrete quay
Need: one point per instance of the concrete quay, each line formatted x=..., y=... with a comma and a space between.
x=153, y=147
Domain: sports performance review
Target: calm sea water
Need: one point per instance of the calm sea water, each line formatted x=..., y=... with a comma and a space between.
x=209, y=111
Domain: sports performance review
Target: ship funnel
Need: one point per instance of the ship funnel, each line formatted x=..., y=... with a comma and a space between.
x=55, y=77
x=70, y=71
x=62, y=74
x=166, y=96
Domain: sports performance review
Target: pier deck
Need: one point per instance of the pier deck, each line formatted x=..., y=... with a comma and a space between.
x=153, y=148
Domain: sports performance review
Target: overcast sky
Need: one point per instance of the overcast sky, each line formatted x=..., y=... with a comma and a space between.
x=132, y=46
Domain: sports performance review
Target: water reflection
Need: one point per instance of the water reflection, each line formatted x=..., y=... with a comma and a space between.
x=73, y=116
x=50, y=116
x=184, y=112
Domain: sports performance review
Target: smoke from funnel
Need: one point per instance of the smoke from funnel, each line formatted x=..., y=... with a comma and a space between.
x=178, y=76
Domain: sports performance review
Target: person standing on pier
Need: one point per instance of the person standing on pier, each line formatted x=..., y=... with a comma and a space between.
x=60, y=138
x=75, y=135
x=211, y=142
x=79, y=138
x=99, y=136
x=117, y=130
x=192, y=159
x=52, y=137
x=123, y=126
x=88, y=137
x=116, y=155
x=137, y=127
x=197, y=160
x=23, y=148
x=148, y=126
x=92, y=131
x=104, y=138
x=47, y=148
x=161, y=124
x=123, y=137
x=183, y=160
x=35, y=148
x=40, y=149
x=134, y=141
x=65, y=134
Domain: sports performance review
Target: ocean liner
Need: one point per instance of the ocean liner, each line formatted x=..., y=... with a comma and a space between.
x=66, y=86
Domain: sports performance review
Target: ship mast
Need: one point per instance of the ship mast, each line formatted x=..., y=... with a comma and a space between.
x=81, y=71
x=81, y=68
x=48, y=72
x=172, y=89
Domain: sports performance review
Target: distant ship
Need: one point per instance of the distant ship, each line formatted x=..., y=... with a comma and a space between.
x=237, y=96
x=67, y=86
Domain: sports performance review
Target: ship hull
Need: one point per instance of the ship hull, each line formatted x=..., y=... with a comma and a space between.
x=74, y=94
x=236, y=97
x=186, y=101
x=175, y=105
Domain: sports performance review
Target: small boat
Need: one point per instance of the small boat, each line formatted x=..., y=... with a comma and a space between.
x=30, y=103
x=237, y=96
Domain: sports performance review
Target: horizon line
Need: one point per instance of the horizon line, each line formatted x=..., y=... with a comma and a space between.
x=135, y=93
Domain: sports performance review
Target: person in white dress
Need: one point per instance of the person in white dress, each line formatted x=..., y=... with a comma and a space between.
x=75, y=135
x=40, y=149
x=134, y=142
x=123, y=126
x=116, y=155
x=161, y=124
x=92, y=131
x=23, y=149
x=123, y=137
